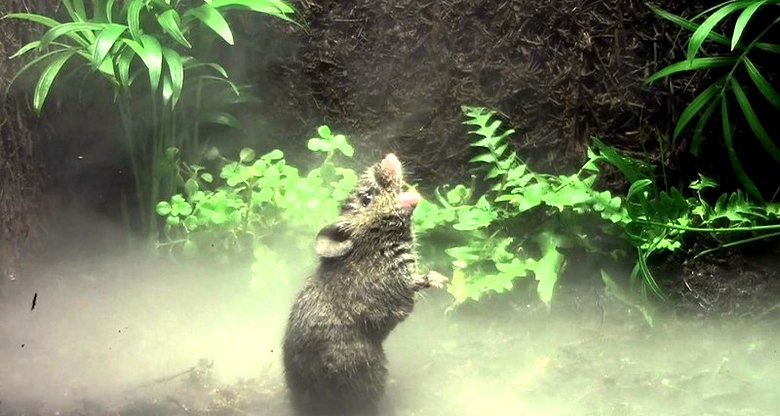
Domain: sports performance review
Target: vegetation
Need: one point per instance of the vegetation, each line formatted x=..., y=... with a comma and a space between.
x=157, y=40
x=739, y=62
x=518, y=227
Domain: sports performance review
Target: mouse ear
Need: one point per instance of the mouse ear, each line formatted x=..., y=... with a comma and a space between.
x=333, y=241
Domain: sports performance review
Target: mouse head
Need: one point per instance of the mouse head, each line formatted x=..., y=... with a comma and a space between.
x=378, y=208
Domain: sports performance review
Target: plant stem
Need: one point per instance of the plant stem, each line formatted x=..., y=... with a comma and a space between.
x=124, y=107
x=736, y=243
x=711, y=230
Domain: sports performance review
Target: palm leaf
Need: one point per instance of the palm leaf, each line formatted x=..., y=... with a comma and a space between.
x=105, y=41
x=70, y=29
x=702, y=32
x=134, y=8
x=176, y=73
x=47, y=78
x=123, y=62
x=277, y=8
x=695, y=64
x=743, y=20
x=735, y=164
x=26, y=48
x=761, y=83
x=753, y=121
x=169, y=20
x=696, y=105
x=212, y=18
x=155, y=59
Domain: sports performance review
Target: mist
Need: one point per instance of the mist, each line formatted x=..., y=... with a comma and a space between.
x=117, y=331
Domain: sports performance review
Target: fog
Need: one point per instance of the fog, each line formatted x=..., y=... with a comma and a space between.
x=115, y=331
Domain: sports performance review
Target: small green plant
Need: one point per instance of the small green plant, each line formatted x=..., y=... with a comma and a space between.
x=741, y=57
x=254, y=203
x=153, y=39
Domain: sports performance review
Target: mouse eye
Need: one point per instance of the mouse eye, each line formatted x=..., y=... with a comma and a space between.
x=366, y=198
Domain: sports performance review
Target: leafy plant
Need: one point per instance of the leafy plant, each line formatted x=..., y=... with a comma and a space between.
x=740, y=58
x=496, y=245
x=254, y=203
x=121, y=41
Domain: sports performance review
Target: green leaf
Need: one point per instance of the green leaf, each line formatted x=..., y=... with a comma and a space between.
x=70, y=29
x=735, y=164
x=109, y=10
x=151, y=54
x=547, y=268
x=26, y=48
x=275, y=154
x=134, y=8
x=761, y=83
x=638, y=187
x=692, y=65
x=176, y=72
x=212, y=18
x=703, y=31
x=754, y=122
x=221, y=118
x=324, y=132
x=742, y=22
x=207, y=177
x=246, y=155
x=169, y=20
x=123, y=65
x=696, y=105
x=163, y=208
x=76, y=10
x=35, y=18
x=105, y=41
x=277, y=8
x=191, y=186
x=47, y=78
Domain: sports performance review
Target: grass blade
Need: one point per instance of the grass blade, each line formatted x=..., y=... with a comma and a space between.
x=735, y=164
x=697, y=132
x=696, y=105
x=212, y=18
x=742, y=22
x=754, y=122
x=176, y=72
x=105, y=41
x=694, y=65
x=703, y=31
x=169, y=20
x=47, y=78
x=762, y=84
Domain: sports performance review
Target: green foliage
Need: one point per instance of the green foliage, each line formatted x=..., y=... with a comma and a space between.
x=156, y=40
x=740, y=59
x=253, y=203
x=494, y=248
x=658, y=220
